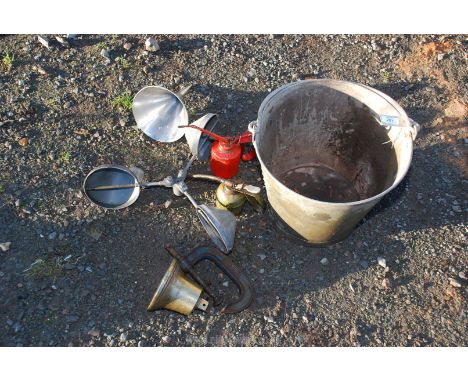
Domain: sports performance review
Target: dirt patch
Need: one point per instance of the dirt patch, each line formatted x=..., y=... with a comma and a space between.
x=457, y=110
x=424, y=62
x=433, y=48
x=421, y=62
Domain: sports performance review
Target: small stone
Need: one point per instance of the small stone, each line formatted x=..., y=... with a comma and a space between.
x=382, y=262
x=44, y=41
x=62, y=40
x=456, y=208
x=94, y=333
x=17, y=327
x=440, y=56
x=387, y=283
x=269, y=319
x=40, y=70
x=462, y=275
x=261, y=270
x=251, y=73
x=262, y=257
x=95, y=233
x=294, y=316
x=455, y=283
x=226, y=284
x=73, y=318
x=5, y=246
x=127, y=46
x=168, y=203
x=324, y=261
x=5, y=122
x=166, y=340
x=52, y=235
x=105, y=54
x=123, y=337
x=141, y=343
x=364, y=264
x=151, y=45
x=23, y=142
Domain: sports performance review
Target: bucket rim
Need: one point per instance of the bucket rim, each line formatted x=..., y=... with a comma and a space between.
x=374, y=198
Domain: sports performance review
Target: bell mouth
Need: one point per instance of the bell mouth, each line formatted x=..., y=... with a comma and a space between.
x=153, y=305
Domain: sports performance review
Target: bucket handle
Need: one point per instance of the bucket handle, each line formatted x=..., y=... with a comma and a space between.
x=252, y=127
x=414, y=128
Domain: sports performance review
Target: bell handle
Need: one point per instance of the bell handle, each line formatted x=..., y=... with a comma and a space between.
x=187, y=268
x=227, y=266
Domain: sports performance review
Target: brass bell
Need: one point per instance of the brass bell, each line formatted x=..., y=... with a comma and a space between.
x=178, y=293
x=230, y=200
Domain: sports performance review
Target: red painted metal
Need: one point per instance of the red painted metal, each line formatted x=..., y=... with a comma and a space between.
x=226, y=152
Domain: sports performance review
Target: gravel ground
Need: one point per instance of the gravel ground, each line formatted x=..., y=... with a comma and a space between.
x=77, y=275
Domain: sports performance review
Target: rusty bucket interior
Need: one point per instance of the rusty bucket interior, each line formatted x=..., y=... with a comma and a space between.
x=331, y=149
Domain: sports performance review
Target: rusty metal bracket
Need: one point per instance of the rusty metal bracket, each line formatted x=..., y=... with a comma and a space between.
x=226, y=265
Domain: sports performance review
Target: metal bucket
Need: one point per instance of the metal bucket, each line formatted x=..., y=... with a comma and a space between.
x=329, y=151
